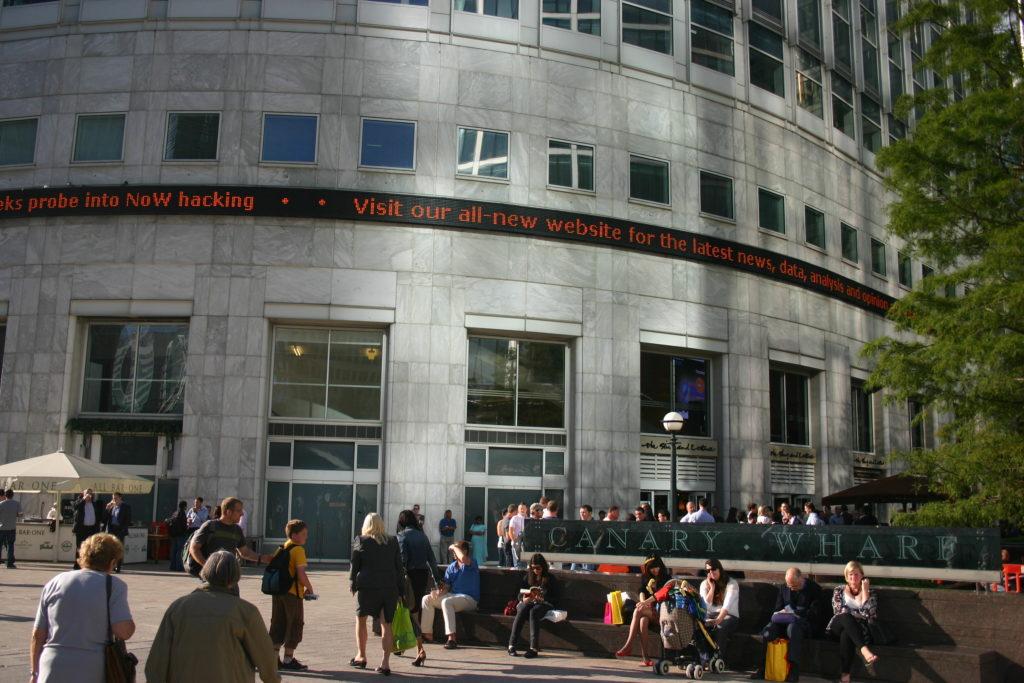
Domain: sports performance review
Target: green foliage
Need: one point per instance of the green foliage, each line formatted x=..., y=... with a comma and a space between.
x=959, y=181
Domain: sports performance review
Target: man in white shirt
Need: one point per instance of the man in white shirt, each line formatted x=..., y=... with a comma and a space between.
x=701, y=515
x=197, y=514
x=515, y=532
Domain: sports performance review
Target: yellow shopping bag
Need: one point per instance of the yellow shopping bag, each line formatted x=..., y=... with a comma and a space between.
x=776, y=666
x=615, y=607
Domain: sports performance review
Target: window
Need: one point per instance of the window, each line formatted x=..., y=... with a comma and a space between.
x=124, y=449
x=420, y=3
x=136, y=368
x=516, y=383
x=877, y=257
x=926, y=271
x=388, y=144
x=843, y=117
x=482, y=153
x=788, y=402
x=648, y=24
x=848, y=237
x=871, y=117
x=3, y=340
x=476, y=460
x=515, y=462
x=711, y=36
x=289, y=138
x=892, y=14
x=191, y=137
x=808, y=19
x=897, y=129
x=716, y=195
x=915, y=412
x=766, y=69
x=842, y=36
x=869, y=45
x=573, y=15
x=338, y=456
x=570, y=165
x=508, y=9
x=99, y=137
x=863, y=419
x=554, y=463
x=18, y=141
x=814, y=227
x=324, y=374
x=648, y=180
x=771, y=9
x=905, y=269
x=675, y=383
x=771, y=211
x=808, y=83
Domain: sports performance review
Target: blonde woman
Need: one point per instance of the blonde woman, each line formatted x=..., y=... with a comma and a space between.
x=855, y=609
x=376, y=580
x=764, y=515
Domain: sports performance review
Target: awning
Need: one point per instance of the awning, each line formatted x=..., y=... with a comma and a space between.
x=899, y=488
x=62, y=473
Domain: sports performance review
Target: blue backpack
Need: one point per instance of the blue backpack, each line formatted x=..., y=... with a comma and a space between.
x=277, y=580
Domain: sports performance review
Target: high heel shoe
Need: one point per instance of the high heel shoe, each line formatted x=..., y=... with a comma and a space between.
x=624, y=652
x=869, y=664
x=356, y=663
x=384, y=670
x=420, y=658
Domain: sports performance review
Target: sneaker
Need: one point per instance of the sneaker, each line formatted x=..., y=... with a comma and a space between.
x=512, y=652
x=294, y=665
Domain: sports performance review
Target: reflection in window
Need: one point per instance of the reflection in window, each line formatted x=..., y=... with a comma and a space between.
x=337, y=456
x=18, y=141
x=711, y=36
x=844, y=119
x=863, y=419
x=648, y=180
x=327, y=374
x=508, y=9
x=482, y=153
x=878, y=257
x=288, y=138
x=808, y=83
x=915, y=410
x=771, y=9
x=3, y=340
x=814, y=226
x=789, y=403
x=388, y=144
x=716, y=195
x=516, y=383
x=771, y=211
x=135, y=368
x=570, y=165
x=125, y=449
x=766, y=67
x=869, y=45
x=573, y=15
x=648, y=24
x=848, y=236
x=905, y=269
x=808, y=19
x=842, y=41
x=871, y=117
x=674, y=383
x=99, y=137
x=191, y=137
x=515, y=462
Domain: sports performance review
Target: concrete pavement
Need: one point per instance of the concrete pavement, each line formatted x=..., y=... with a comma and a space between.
x=329, y=634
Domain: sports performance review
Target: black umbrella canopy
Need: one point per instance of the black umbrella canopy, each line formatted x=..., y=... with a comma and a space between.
x=899, y=488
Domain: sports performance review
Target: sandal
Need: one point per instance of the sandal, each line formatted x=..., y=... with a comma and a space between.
x=384, y=670
x=420, y=658
x=647, y=662
x=450, y=645
x=623, y=653
x=869, y=664
x=357, y=663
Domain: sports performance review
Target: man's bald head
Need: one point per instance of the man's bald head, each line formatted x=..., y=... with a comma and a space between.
x=794, y=578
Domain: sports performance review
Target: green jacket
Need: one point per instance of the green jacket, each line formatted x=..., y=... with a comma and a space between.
x=211, y=635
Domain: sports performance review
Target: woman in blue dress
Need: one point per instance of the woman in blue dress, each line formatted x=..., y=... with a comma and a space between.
x=478, y=537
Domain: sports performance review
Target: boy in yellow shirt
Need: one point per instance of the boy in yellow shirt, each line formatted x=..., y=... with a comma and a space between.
x=286, y=620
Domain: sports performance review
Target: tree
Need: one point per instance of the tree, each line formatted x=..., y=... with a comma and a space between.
x=959, y=182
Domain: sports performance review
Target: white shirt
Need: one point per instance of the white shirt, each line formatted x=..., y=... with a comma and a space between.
x=89, y=514
x=814, y=520
x=764, y=519
x=547, y=514
x=515, y=526
x=730, y=601
x=698, y=517
x=52, y=514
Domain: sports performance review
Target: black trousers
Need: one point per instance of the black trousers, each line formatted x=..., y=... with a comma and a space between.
x=723, y=632
x=533, y=612
x=851, y=640
x=80, y=536
x=795, y=633
x=120, y=533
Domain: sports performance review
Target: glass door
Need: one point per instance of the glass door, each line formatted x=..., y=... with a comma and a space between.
x=327, y=509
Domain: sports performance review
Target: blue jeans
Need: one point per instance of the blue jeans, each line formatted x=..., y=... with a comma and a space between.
x=7, y=539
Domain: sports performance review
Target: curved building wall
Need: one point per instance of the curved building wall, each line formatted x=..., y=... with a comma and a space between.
x=427, y=291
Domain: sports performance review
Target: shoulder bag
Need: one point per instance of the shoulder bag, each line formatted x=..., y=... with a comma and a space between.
x=119, y=663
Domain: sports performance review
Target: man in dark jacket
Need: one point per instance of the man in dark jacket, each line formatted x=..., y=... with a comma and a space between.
x=797, y=615
x=117, y=517
x=87, y=519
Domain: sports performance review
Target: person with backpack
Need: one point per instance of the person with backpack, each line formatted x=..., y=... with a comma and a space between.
x=177, y=529
x=287, y=617
x=221, y=534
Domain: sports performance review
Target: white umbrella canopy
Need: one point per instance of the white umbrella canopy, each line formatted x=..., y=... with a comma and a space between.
x=62, y=473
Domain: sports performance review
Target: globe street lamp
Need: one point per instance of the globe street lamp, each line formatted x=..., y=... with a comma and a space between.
x=673, y=424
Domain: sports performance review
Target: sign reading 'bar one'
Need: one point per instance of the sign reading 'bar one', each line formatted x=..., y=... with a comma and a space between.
x=439, y=212
x=968, y=549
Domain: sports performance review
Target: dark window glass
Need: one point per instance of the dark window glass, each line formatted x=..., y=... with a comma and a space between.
x=916, y=410
x=99, y=137
x=191, y=137
x=3, y=340
x=120, y=449
x=848, y=235
x=288, y=138
x=648, y=180
x=388, y=144
x=570, y=165
x=367, y=456
x=926, y=271
x=843, y=117
x=491, y=382
x=279, y=454
x=327, y=509
x=482, y=153
x=135, y=368
x=878, y=258
x=814, y=224
x=872, y=118
x=646, y=29
x=711, y=37
x=516, y=383
x=476, y=505
x=808, y=13
x=769, y=8
x=842, y=39
x=324, y=455
x=277, y=515
x=554, y=463
x=541, y=391
x=18, y=141
x=906, y=271
x=863, y=420
x=716, y=195
x=788, y=408
x=561, y=14
x=476, y=460
x=766, y=67
x=365, y=502
x=771, y=210
x=515, y=462
x=809, y=94
x=674, y=383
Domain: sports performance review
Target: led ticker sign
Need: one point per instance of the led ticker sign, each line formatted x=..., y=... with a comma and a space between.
x=437, y=212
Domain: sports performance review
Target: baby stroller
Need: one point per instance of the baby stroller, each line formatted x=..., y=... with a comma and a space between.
x=685, y=640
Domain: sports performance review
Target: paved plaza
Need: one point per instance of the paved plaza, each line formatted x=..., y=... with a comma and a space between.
x=329, y=641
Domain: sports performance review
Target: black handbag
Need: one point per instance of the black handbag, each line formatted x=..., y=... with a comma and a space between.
x=119, y=663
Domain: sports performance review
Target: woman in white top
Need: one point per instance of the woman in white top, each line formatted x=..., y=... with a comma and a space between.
x=764, y=515
x=722, y=595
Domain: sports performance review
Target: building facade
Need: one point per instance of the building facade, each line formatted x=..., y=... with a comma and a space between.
x=283, y=249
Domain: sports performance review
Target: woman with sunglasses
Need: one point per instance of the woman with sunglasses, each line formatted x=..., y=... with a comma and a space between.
x=537, y=595
x=722, y=595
